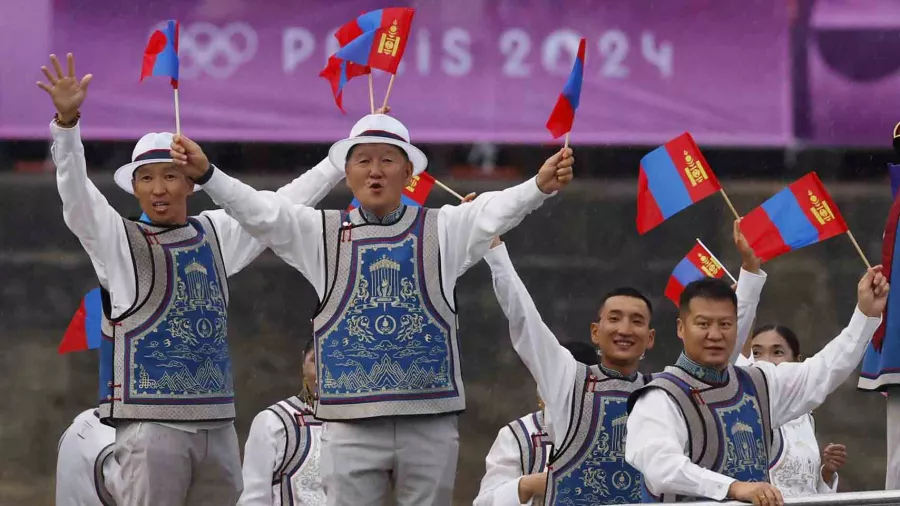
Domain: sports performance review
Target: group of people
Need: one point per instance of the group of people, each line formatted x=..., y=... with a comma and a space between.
x=376, y=418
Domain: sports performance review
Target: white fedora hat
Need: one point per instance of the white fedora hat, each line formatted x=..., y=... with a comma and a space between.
x=152, y=148
x=378, y=129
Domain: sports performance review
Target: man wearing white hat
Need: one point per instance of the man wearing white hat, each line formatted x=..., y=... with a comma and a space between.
x=165, y=371
x=84, y=462
x=390, y=386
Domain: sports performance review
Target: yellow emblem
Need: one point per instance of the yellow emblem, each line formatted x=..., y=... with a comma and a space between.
x=710, y=267
x=694, y=169
x=820, y=209
x=390, y=41
x=412, y=184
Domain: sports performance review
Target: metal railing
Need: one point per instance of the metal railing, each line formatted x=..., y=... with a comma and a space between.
x=879, y=497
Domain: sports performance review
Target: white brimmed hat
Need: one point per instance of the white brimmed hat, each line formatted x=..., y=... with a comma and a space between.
x=152, y=148
x=378, y=129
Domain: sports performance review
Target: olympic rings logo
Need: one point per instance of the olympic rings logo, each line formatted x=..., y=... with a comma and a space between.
x=218, y=52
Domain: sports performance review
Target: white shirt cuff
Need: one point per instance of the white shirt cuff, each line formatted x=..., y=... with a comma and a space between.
x=508, y=494
x=66, y=138
x=537, y=190
x=862, y=325
x=750, y=284
x=219, y=186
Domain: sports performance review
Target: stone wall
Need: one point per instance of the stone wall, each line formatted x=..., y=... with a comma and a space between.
x=569, y=252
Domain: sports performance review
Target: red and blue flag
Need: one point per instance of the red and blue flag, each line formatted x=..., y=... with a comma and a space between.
x=563, y=114
x=797, y=216
x=697, y=264
x=83, y=332
x=161, y=54
x=894, y=172
x=414, y=195
x=339, y=72
x=671, y=178
x=377, y=39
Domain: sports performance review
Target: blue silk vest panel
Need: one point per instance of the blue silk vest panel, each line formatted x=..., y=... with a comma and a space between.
x=589, y=467
x=170, y=353
x=385, y=332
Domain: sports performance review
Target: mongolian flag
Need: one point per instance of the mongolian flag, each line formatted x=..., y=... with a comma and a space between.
x=797, y=216
x=697, y=264
x=339, y=72
x=894, y=173
x=671, y=178
x=563, y=114
x=378, y=38
x=83, y=332
x=161, y=54
x=413, y=195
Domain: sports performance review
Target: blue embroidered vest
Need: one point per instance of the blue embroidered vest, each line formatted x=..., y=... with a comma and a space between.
x=166, y=358
x=728, y=421
x=385, y=331
x=298, y=420
x=589, y=466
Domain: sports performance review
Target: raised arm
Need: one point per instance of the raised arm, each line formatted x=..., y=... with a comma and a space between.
x=551, y=365
x=293, y=231
x=799, y=387
x=239, y=247
x=262, y=456
x=85, y=210
x=466, y=230
x=749, y=287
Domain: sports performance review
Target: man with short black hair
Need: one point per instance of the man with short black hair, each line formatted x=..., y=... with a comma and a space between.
x=703, y=427
x=586, y=404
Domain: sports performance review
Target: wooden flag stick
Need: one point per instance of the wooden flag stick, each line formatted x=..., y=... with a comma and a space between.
x=371, y=93
x=388, y=94
x=566, y=145
x=858, y=249
x=449, y=190
x=730, y=205
x=177, y=114
x=716, y=259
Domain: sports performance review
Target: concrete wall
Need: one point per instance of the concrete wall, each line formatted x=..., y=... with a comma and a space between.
x=569, y=252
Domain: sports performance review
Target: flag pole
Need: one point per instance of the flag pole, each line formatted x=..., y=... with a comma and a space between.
x=449, y=190
x=858, y=249
x=566, y=145
x=371, y=93
x=388, y=94
x=716, y=260
x=730, y=206
x=177, y=115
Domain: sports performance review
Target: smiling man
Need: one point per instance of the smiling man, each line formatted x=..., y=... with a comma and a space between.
x=703, y=427
x=586, y=403
x=390, y=384
x=165, y=370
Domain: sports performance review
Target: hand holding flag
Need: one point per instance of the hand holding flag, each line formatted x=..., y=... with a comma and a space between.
x=66, y=91
x=563, y=114
x=557, y=171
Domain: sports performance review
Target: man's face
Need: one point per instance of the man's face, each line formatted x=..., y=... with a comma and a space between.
x=623, y=330
x=309, y=372
x=162, y=191
x=377, y=174
x=709, y=328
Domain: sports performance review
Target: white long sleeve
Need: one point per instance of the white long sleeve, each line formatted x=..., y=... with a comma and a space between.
x=294, y=231
x=79, y=447
x=552, y=366
x=657, y=435
x=500, y=485
x=100, y=230
x=749, y=289
x=262, y=456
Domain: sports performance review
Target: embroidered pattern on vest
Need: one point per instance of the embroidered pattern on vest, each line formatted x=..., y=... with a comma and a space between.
x=590, y=468
x=384, y=334
x=389, y=218
x=534, y=443
x=702, y=373
x=298, y=479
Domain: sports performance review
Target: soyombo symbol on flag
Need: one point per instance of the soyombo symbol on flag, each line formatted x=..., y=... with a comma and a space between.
x=672, y=177
x=385, y=33
x=697, y=264
x=797, y=216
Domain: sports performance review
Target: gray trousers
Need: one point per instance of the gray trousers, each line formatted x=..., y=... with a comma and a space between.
x=408, y=461
x=892, y=477
x=162, y=466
